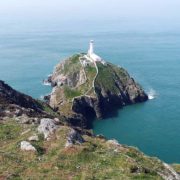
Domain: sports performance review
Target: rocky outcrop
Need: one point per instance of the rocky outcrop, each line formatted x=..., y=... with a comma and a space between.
x=74, y=138
x=67, y=74
x=47, y=127
x=89, y=107
x=16, y=104
x=26, y=146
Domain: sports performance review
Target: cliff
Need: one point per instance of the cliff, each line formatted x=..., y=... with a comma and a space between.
x=14, y=104
x=83, y=90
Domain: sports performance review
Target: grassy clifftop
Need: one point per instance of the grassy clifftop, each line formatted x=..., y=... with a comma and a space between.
x=96, y=158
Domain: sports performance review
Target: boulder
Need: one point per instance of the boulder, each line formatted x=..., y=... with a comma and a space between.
x=47, y=127
x=26, y=146
x=74, y=138
x=24, y=119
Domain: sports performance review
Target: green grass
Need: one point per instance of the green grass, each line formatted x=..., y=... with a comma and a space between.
x=71, y=68
x=90, y=71
x=176, y=167
x=9, y=131
x=94, y=159
x=106, y=78
x=45, y=107
x=108, y=75
x=71, y=93
x=71, y=65
x=120, y=72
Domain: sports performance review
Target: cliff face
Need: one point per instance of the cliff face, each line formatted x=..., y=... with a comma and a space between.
x=92, y=90
x=14, y=103
x=114, y=88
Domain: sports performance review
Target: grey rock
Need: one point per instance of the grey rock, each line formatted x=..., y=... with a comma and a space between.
x=18, y=112
x=47, y=127
x=24, y=119
x=74, y=138
x=56, y=120
x=26, y=146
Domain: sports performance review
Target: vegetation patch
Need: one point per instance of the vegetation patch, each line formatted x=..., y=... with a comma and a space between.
x=71, y=65
x=106, y=78
x=45, y=107
x=9, y=131
x=71, y=93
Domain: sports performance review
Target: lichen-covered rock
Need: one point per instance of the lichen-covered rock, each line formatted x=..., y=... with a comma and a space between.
x=74, y=138
x=24, y=119
x=68, y=72
x=26, y=146
x=47, y=127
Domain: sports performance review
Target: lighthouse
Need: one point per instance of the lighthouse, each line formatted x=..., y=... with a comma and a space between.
x=91, y=47
x=91, y=53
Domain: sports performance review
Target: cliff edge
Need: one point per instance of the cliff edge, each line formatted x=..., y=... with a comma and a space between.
x=14, y=104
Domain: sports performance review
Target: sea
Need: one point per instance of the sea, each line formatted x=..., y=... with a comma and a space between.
x=149, y=50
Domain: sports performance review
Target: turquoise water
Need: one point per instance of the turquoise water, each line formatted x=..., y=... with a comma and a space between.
x=28, y=55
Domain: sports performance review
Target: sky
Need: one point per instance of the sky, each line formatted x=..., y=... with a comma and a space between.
x=89, y=9
x=130, y=14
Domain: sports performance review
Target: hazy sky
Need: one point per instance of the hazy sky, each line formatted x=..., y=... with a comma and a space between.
x=89, y=9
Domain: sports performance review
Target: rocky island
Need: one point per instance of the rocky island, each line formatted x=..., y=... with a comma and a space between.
x=41, y=140
x=85, y=87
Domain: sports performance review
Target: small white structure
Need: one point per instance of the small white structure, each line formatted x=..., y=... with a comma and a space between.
x=84, y=62
x=93, y=57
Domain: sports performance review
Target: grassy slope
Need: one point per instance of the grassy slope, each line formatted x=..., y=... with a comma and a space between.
x=71, y=66
x=176, y=167
x=108, y=74
x=94, y=159
x=106, y=78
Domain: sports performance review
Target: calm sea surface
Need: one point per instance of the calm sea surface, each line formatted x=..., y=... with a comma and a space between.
x=152, y=57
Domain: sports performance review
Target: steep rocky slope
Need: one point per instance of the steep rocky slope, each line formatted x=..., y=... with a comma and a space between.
x=14, y=104
x=82, y=92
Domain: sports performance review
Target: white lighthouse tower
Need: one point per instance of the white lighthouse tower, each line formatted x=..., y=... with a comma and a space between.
x=91, y=53
x=91, y=47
